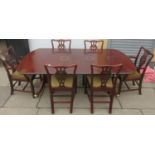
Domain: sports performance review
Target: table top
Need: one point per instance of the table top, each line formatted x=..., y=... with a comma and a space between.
x=34, y=62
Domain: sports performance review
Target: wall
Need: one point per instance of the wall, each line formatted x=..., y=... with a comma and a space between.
x=45, y=43
x=105, y=43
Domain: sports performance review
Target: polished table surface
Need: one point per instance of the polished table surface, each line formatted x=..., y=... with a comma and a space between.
x=34, y=62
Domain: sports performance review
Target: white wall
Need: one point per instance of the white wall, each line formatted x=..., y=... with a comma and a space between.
x=45, y=43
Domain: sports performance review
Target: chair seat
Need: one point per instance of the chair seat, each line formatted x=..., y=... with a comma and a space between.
x=67, y=84
x=18, y=75
x=97, y=81
x=133, y=76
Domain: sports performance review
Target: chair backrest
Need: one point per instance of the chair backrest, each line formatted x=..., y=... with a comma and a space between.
x=93, y=44
x=60, y=72
x=12, y=54
x=143, y=59
x=61, y=44
x=9, y=64
x=105, y=73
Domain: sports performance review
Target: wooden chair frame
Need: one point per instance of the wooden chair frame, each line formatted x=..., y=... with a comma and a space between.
x=10, y=67
x=105, y=73
x=61, y=72
x=141, y=62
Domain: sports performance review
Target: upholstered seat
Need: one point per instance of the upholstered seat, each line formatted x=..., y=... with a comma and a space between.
x=133, y=76
x=18, y=75
x=68, y=83
x=97, y=81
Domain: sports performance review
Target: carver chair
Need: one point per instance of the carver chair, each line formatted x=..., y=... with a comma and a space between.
x=102, y=79
x=61, y=44
x=61, y=79
x=16, y=78
x=93, y=45
x=141, y=62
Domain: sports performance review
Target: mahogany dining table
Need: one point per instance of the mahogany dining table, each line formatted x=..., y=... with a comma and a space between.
x=33, y=62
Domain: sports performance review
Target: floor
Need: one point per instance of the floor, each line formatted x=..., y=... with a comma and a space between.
x=128, y=103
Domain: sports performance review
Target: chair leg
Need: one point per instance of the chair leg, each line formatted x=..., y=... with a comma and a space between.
x=72, y=100
x=84, y=82
x=85, y=86
x=52, y=104
x=111, y=103
x=32, y=89
x=91, y=102
x=12, y=88
x=19, y=83
x=140, y=88
x=133, y=82
x=75, y=85
x=120, y=87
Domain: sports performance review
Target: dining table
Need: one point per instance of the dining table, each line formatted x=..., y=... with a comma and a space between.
x=34, y=61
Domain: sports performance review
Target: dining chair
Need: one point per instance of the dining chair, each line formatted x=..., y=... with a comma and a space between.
x=61, y=79
x=93, y=44
x=61, y=44
x=15, y=77
x=141, y=61
x=102, y=79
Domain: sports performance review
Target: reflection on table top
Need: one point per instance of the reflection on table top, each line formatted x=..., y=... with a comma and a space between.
x=34, y=62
